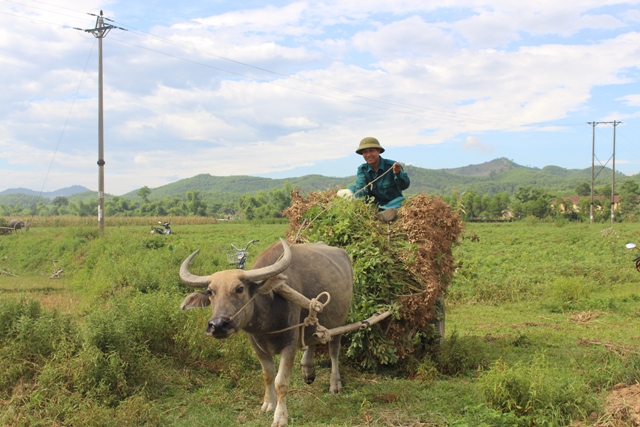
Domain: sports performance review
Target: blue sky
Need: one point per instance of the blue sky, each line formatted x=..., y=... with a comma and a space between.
x=288, y=88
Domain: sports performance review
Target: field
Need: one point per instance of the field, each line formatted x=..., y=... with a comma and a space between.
x=543, y=325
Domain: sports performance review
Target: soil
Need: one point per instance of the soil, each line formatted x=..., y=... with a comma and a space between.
x=622, y=408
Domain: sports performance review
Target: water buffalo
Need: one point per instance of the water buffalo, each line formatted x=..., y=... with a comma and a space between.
x=251, y=301
x=16, y=224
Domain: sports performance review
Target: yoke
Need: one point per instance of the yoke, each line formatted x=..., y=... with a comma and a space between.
x=314, y=306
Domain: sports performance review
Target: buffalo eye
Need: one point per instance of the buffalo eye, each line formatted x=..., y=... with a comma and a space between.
x=209, y=293
x=239, y=289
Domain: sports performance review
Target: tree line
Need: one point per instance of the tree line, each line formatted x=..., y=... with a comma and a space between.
x=526, y=201
x=529, y=201
x=259, y=205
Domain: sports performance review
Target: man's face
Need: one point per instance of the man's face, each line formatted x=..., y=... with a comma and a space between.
x=371, y=156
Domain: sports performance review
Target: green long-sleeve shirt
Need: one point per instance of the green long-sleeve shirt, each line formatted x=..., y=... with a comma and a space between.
x=384, y=190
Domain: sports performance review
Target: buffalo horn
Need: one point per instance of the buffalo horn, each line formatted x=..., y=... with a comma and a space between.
x=191, y=279
x=278, y=267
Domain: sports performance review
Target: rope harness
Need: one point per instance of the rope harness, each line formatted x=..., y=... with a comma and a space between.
x=250, y=299
x=315, y=307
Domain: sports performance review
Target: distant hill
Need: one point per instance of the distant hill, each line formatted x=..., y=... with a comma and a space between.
x=241, y=184
x=502, y=175
x=499, y=175
x=13, y=196
x=68, y=191
x=485, y=169
x=422, y=180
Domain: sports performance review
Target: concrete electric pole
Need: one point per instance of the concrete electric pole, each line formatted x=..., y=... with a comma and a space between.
x=613, y=168
x=593, y=146
x=100, y=31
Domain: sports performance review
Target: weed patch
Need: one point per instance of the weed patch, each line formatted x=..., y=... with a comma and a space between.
x=536, y=390
x=460, y=355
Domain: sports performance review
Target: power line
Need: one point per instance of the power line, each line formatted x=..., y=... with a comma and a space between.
x=326, y=90
x=435, y=113
x=64, y=127
x=47, y=10
x=406, y=108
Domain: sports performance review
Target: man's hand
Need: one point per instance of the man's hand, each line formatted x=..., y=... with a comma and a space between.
x=397, y=167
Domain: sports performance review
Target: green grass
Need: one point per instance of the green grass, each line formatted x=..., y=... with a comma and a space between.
x=542, y=321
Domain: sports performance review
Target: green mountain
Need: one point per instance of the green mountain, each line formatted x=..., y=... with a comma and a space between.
x=502, y=175
x=492, y=177
x=68, y=191
x=13, y=196
x=241, y=184
x=486, y=168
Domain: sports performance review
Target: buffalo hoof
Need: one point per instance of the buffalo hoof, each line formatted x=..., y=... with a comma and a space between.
x=267, y=407
x=308, y=372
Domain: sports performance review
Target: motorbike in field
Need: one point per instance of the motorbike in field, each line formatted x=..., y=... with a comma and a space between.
x=238, y=256
x=636, y=260
x=159, y=230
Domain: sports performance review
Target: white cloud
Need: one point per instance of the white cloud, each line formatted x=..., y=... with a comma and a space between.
x=472, y=143
x=256, y=90
x=632, y=16
x=499, y=25
x=411, y=36
x=265, y=19
x=298, y=122
x=631, y=100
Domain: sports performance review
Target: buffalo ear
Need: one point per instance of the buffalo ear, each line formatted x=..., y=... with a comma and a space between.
x=196, y=300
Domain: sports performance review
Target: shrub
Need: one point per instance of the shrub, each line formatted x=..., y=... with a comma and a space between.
x=11, y=311
x=535, y=390
x=458, y=356
x=29, y=338
x=573, y=294
x=616, y=364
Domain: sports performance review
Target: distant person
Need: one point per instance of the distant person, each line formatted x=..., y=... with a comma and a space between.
x=385, y=191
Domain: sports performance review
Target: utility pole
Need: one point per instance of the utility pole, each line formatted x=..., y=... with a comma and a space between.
x=613, y=170
x=100, y=31
x=593, y=146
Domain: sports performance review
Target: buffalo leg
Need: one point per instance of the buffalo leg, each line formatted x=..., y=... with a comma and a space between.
x=335, y=385
x=287, y=357
x=308, y=369
x=269, y=375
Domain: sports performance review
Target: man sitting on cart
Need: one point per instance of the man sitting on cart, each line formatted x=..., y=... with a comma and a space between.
x=381, y=179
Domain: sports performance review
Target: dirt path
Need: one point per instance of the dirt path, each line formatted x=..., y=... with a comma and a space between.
x=52, y=293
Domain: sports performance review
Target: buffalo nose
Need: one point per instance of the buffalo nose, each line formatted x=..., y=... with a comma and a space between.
x=210, y=327
x=218, y=325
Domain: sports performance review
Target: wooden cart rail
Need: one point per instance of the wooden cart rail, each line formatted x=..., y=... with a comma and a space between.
x=7, y=230
x=315, y=306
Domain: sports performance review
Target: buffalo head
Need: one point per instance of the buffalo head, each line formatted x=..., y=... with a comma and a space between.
x=230, y=292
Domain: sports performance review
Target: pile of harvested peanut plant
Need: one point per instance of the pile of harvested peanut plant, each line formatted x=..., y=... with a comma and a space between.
x=404, y=266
